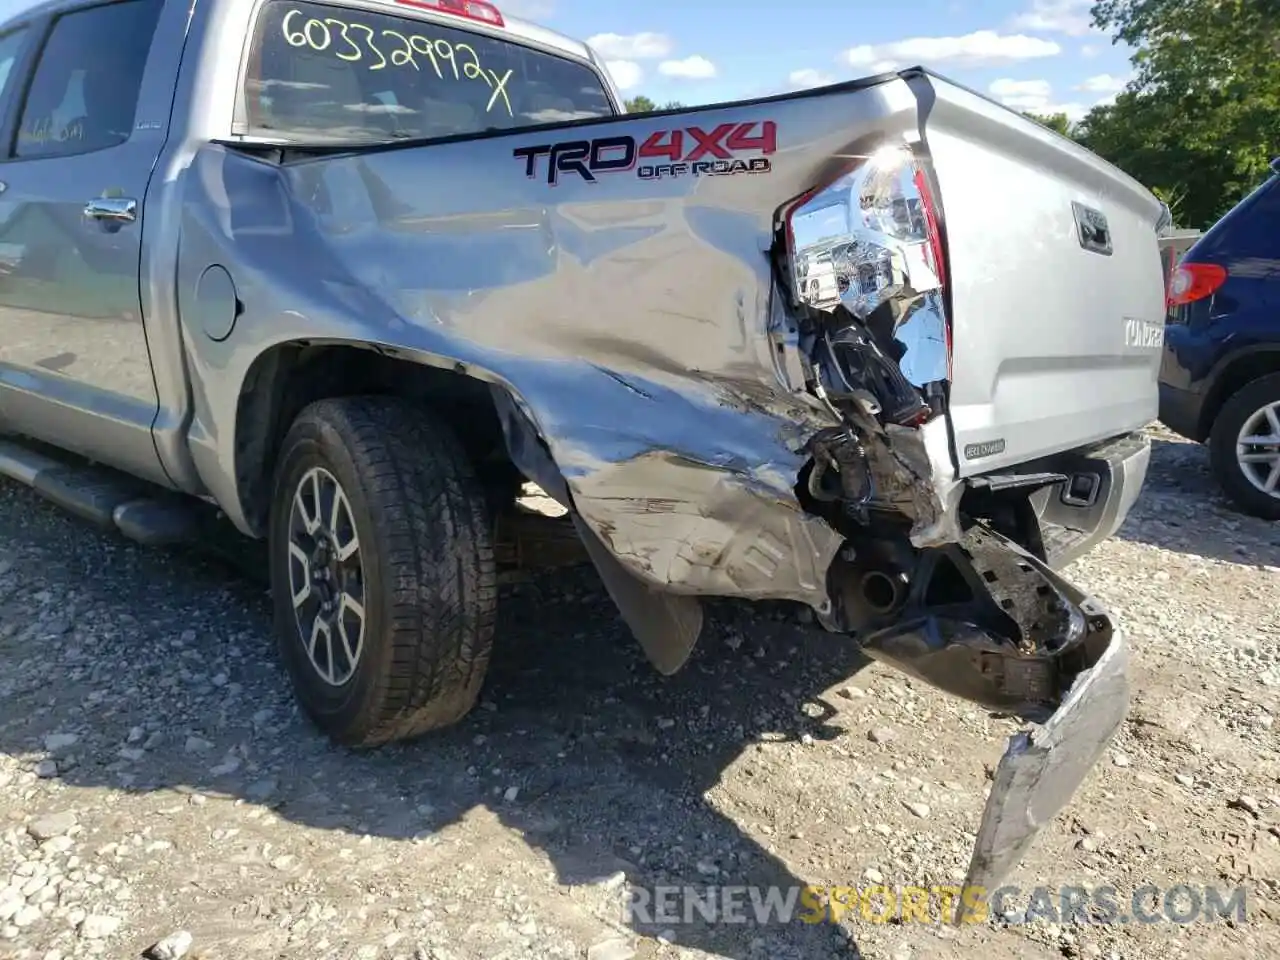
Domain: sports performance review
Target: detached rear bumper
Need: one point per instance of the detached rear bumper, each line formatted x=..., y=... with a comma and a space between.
x=1030, y=643
x=950, y=601
x=1042, y=769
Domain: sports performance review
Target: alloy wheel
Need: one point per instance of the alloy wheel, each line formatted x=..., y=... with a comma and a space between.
x=326, y=576
x=1258, y=449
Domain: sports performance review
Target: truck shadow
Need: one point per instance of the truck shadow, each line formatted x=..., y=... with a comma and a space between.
x=162, y=669
x=1182, y=508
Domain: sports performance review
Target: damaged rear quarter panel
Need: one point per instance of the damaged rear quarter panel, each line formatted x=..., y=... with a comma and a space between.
x=634, y=325
x=629, y=318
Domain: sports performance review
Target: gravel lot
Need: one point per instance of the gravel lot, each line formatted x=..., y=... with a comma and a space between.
x=156, y=779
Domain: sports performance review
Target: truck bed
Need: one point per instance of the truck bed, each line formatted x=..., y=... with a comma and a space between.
x=668, y=225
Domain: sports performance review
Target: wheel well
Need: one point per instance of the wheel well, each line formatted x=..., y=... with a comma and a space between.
x=1241, y=371
x=288, y=377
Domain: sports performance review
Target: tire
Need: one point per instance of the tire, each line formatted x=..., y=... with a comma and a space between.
x=423, y=572
x=1239, y=409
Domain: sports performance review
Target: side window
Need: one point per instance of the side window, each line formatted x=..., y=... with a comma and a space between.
x=10, y=46
x=85, y=89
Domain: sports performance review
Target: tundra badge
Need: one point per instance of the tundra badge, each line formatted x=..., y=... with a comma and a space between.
x=1143, y=334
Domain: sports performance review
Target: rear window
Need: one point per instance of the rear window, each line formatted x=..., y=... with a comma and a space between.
x=327, y=73
x=1251, y=228
x=1260, y=233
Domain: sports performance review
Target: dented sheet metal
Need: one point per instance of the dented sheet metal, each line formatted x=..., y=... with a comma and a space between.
x=638, y=323
x=655, y=369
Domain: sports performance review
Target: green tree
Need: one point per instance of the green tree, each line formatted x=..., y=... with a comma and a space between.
x=1057, y=122
x=1201, y=118
x=642, y=104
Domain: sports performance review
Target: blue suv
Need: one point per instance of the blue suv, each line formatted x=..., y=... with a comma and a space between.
x=1220, y=376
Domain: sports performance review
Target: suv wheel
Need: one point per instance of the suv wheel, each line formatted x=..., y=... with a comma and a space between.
x=382, y=570
x=1245, y=447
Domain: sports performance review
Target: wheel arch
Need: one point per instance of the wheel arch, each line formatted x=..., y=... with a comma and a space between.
x=286, y=376
x=500, y=433
x=1230, y=375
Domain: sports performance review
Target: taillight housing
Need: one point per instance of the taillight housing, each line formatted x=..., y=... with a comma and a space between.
x=878, y=225
x=471, y=9
x=1195, y=281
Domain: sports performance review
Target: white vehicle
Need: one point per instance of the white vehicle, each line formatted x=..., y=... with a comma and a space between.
x=820, y=288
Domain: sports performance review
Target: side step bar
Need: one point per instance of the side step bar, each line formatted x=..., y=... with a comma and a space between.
x=107, y=499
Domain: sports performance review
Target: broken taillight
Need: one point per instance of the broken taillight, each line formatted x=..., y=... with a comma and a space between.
x=878, y=226
x=471, y=9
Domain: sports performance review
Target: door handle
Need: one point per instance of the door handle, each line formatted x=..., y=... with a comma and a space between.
x=112, y=209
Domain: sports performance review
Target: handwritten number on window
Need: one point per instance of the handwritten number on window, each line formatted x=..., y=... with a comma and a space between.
x=461, y=62
x=472, y=70
x=423, y=46
x=342, y=33
x=368, y=39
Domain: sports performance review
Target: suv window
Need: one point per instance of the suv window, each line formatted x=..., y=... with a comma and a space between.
x=1259, y=228
x=327, y=73
x=85, y=90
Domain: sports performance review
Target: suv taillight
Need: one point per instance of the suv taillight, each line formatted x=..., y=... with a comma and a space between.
x=1195, y=281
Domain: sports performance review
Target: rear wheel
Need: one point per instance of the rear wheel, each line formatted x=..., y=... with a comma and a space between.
x=1245, y=447
x=382, y=570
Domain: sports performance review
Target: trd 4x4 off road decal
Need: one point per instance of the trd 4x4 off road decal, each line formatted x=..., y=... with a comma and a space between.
x=690, y=151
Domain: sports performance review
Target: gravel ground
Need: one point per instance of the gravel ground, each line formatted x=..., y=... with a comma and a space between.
x=156, y=781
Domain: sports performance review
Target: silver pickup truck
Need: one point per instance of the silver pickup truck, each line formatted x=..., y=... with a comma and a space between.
x=352, y=272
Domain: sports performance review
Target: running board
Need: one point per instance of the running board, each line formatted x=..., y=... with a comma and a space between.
x=105, y=497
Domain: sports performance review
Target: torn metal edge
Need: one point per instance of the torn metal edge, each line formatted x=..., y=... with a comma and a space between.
x=1042, y=768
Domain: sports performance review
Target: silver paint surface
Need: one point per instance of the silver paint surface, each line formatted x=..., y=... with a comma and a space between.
x=631, y=320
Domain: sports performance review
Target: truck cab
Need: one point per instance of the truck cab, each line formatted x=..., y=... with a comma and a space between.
x=102, y=134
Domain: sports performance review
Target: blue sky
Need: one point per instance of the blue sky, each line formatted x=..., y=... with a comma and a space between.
x=1031, y=54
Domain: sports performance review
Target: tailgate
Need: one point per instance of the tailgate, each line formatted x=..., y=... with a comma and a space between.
x=1057, y=287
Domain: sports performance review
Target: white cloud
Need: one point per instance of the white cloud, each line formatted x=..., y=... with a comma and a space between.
x=634, y=46
x=690, y=68
x=808, y=77
x=1034, y=96
x=1103, y=83
x=626, y=73
x=971, y=50
x=1016, y=92
x=1089, y=51
x=1071, y=17
x=1106, y=84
